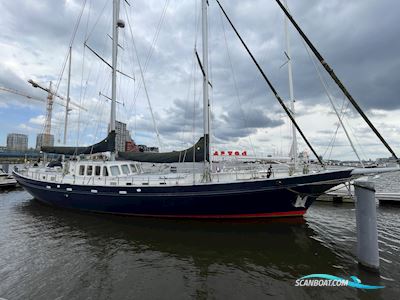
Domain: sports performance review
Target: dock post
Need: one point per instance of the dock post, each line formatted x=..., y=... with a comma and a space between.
x=367, y=232
x=6, y=167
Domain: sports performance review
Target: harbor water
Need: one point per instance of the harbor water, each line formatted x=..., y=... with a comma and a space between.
x=49, y=253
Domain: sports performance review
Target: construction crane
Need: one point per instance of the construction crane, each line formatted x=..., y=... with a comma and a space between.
x=49, y=105
x=52, y=93
x=50, y=100
x=4, y=89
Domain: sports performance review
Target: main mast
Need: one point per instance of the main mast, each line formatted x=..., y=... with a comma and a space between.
x=206, y=102
x=116, y=4
x=293, y=150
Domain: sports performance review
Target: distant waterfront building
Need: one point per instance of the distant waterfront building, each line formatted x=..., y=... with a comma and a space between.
x=130, y=146
x=124, y=141
x=121, y=136
x=17, y=142
x=43, y=139
x=153, y=149
x=144, y=148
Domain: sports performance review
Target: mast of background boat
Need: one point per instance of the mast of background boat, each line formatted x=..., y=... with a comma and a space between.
x=333, y=105
x=291, y=95
x=294, y=145
x=206, y=102
x=68, y=91
x=271, y=87
x=331, y=73
x=114, y=68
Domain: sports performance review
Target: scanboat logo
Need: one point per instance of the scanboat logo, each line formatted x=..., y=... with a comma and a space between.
x=330, y=280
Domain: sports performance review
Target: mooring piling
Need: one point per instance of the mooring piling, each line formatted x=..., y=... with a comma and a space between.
x=367, y=232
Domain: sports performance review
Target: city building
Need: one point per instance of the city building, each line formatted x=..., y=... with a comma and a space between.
x=144, y=148
x=122, y=136
x=153, y=149
x=124, y=141
x=17, y=142
x=130, y=146
x=43, y=139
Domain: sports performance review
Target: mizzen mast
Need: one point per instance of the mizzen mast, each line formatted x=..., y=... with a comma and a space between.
x=206, y=100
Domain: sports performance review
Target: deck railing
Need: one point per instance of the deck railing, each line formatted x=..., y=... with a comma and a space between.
x=148, y=180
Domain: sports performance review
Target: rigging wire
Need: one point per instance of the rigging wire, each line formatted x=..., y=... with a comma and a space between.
x=186, y=109
x=331, y=142
x=235, y=83
x=100, y=70
x=324, y=84
x=144, y=84
x=131, y=58
x=152, y=46
x=82, y=75
x=337, y=80
x=88, y=35
x=70, y=45
x=58, y=82
x=196, y=32
x=197, y=17
x=85, y=83
x=194, y=124
x=357, y=140
x=100, y=116
x=150, y=52
x=271, y=87
x=211, y=134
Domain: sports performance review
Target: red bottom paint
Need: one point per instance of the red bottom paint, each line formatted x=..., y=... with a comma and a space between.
x=296, y=213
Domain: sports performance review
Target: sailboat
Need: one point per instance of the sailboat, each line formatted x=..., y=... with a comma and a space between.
x=121, y=186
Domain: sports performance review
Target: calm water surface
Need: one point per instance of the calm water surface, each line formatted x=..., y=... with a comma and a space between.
x=48, y=253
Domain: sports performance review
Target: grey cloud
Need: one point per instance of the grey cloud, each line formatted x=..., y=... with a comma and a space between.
x=359, y=39
x=238, y=122
x=9, y=79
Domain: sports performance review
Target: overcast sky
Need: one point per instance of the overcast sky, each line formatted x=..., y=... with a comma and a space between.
x=360, y=39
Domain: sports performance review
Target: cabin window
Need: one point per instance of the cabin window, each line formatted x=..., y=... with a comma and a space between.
x=97, y=170
x=105, y=171
x=133, y=168
x=89, y=170
x=81, y=170
x=125, y=169
x=115, y=171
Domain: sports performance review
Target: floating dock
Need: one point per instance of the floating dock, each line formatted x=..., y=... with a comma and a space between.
x=344, y=195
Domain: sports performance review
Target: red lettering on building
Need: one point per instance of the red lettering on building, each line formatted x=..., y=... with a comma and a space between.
x=230, y=153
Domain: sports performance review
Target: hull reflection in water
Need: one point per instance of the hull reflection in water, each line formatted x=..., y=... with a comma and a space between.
x=52, y=253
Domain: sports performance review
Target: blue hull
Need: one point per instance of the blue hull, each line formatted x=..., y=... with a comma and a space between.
x=290, y=196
